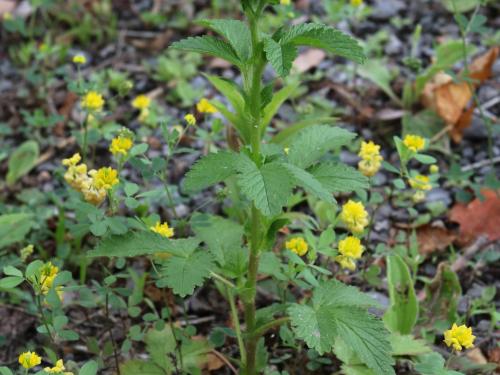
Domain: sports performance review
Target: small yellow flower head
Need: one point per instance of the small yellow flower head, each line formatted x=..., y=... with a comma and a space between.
x=418, y=197
x=141, y=102
x=420, y=182
x=356, y=3
x=351, y=247
x=354, y=216
x=121, y=145
x=29, y=360
x=163, y=229
x=57, y=369
x=297, y=245
x=105, y=178
x=7, y=16
x=79, y=59
x=286, y=150
x=346, y=262
x=434, y=169
x=190, y=119
x=369, y=150
x=414, y=142
x=459, y=336
x=369, y=167
x=48, y=273
x=93, y=101
x=26, y=252
x=72, y=161
x=92, y=195
x=204, y=106
x=285, y=2
x=371, y=160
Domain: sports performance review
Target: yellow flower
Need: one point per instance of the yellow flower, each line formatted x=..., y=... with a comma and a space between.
x=356, y=3
x=72, y=161
x=93, y=195
x=420, y=182
x=346, y=262
x=297, y=245
x=7, y=16
x=163, y=229
x=286, y=150
x=204, y=106
x=418, y=197
x=434, y=169
x=79, y=59
x=57, y=369
x=26, y=252
x=141, y=102
x=459, y=336
x=285, y=2
x=121, y=145
x=48, y=274
x=414, y=142
x=369, y=150
x=354, y=216
x=93, y=101
x=29, y=360
x=351, y=247
x=371, y=158
x=190, y=119
x=105, y=178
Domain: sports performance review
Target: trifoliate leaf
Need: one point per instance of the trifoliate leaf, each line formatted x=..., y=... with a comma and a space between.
x=309, y=183
x=280, y=56
x=211, y=169
x=235, y=32
x=209, y=45
x=312, y=143
x=339, y=178
x=339, y=311
x=325, y=37
x=268, y=187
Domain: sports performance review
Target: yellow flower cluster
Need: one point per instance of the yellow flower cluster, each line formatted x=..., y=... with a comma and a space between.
x=350, y=249
x=57, y=369
x=371, y=160
x=285, y=2
x=121, y=145
x=163, y=229
x=204, y=106
x=414, y=143
x=48, y=273
x=297, y=245
x=459, y=336
x=420, y=182
x=79, y=59
x=190, y=119
x=141, y=102
x=356, y=3
x=93, y=101
x=29, y=360
x=354, y=216
x=92, y=184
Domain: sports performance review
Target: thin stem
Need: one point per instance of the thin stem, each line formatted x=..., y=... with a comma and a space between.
x=236, y=323
x=44, y=321
x=266, y=327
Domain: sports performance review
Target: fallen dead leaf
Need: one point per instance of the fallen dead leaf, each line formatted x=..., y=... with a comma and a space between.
x=309, y=59
x=452, y=101
x=494, y=356
x=478, y=217
x=432, y=238
x=476, y=356
x=213, y=362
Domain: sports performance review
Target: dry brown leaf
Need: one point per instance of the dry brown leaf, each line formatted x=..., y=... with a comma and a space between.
x=309, y=59
x=452, y=101
x=476, y=356
x=433, y=238
x=479, y=217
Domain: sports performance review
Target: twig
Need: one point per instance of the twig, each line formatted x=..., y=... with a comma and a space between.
x=441, y=133
x=223, y=358
x=481, y=163
x=462, y=260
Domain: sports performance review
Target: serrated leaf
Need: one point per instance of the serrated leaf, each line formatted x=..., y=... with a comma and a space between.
x=344, y=317
x=309, y=183
x=340, y=178
x=278, y=98
x=433, y=364
x=325, y=37
x=213, y=168
x=142, y=243
x=183, y=274
x=268, y=187
x=209, y=45
x=235, y=32
x=312, y=143
x=134, y=367
x=334, y=292
x=280, y=56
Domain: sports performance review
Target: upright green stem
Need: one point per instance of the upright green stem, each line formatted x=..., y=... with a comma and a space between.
x=255, y=240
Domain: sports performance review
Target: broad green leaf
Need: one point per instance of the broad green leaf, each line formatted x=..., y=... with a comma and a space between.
x=309, y=183
x=339, y=178
x=211, y=169
x=134, y=367
x=22, y=160
x=407, y=345
x=160, y=344
x=433, y=364
x=235, y=32
x=5, y=371
x=14, y=228
x=89, y=368
x=230, y=90
x=269, y=187
x=402, y=314
x=377, y=72
x=286, y=133
x=183, y=274
x=10, y=282
x=222, y=236
x=460, y=6
x=274, y=105
x=325, y=37
x=334, y=292
x=343, y=317
x=209, y=45
x=142, y=243
x=280, y=56
x=312, y=143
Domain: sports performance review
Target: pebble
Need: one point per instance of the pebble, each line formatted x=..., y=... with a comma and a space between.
x=385, y=9
x=393, y=46
x=439, y=195
x=477, y=130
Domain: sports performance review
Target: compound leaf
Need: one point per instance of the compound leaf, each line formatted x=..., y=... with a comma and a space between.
x=235, y=32
x=337, y=177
